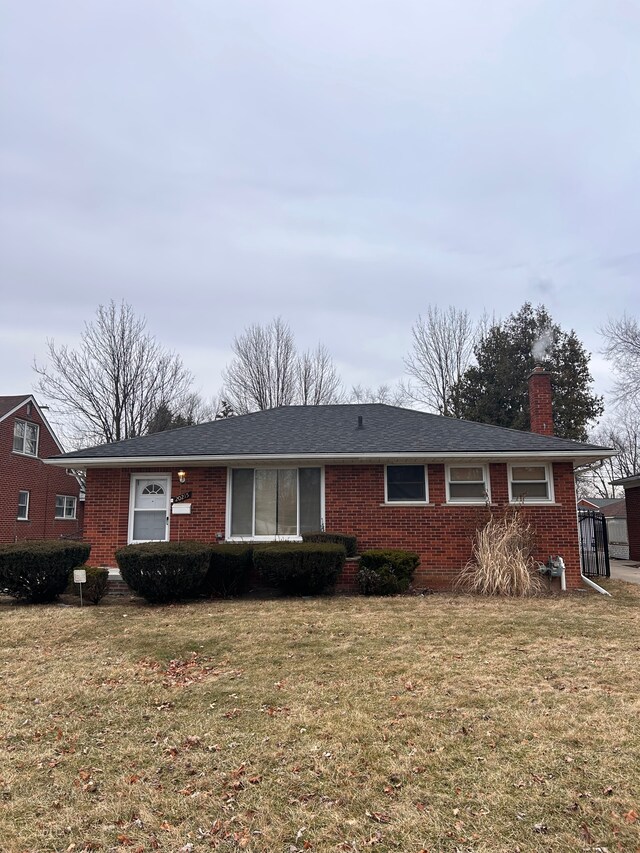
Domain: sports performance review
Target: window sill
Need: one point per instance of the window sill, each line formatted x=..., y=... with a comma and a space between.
x=145, y=541
x=22, y=453
x=23, y=519
x=469, y=503
x=65, y=518
x=533, y=503
x=273, y=539
x=406, y=503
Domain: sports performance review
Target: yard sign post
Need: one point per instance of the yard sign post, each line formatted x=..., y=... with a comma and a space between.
x=80, y=577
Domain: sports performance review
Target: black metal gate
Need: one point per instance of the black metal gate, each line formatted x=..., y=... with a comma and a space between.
x=594, y=544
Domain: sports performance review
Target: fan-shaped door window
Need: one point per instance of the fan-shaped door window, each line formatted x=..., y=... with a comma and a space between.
x=153, y=489
x=149, y=520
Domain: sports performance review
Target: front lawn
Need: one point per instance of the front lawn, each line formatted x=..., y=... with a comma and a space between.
x=443, y=723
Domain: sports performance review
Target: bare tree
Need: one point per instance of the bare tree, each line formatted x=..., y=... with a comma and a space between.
x=318, y=382
x=111, y=387
x=442, y=350
x=623, y=434
x=622, y=349
x=384, y=393
x=263, y=373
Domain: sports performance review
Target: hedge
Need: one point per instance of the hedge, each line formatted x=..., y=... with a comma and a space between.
x=95, y=589
x=347, y=540
x=299, y=568
x=386, y=572
x=165, y=571
x=38, y=570
x=229, y=569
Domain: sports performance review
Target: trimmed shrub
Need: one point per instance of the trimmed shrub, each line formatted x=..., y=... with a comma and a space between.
x=95, y=589
x=386, y=572
x=165, y=571
x=349, y=542
x=38, y=570
x=228, y=569
x=299, y=568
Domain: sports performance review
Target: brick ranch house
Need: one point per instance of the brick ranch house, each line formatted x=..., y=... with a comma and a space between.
x=393, y=477
x=36, y=501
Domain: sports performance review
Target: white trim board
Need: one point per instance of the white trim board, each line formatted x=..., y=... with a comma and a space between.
x=579, y=457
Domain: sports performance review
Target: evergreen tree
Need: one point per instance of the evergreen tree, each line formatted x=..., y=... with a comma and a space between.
x=495, y=390
x=165, y=419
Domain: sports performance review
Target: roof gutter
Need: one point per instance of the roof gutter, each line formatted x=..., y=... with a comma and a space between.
x=580, y=457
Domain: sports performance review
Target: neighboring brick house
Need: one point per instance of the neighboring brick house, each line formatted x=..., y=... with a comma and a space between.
x=36, y=501
x=393, y=477
x=632, y=500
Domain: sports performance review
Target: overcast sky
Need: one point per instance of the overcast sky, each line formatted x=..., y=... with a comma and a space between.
x=342, y=164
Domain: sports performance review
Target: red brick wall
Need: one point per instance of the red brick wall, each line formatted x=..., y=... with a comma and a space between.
x=540, y=402
x=441, y=534
x=19, y=473
x=632, y=498
x=107, y=507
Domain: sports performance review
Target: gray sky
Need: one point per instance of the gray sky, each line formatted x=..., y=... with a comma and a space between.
x=342, y=164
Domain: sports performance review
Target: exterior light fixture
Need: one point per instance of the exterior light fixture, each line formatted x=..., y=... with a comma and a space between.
x=182, y=476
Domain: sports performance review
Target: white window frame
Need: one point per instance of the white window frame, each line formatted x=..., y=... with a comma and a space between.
x=26, y=516
x=275, y=537
x=64, y=516
x=406, y=503
x=24, y=451
x=153, y=475
x=548, y=467
x=472, y=501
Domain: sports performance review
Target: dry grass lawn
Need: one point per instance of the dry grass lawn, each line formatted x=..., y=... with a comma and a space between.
x=444, y=723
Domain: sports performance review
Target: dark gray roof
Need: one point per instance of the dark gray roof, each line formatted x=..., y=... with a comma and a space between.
x=633, y=480
x=323, y=430
x=8, y=403
x=602, y=502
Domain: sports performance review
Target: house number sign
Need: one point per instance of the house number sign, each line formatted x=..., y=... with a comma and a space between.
x=179, y=498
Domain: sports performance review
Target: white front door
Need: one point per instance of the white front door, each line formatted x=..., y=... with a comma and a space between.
x=149, y=508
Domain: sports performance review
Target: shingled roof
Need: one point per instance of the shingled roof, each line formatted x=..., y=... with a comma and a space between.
x=11, y=402
x=340, y=431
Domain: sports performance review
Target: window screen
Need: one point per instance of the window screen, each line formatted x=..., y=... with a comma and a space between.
x=467, y=483
x=529, y=482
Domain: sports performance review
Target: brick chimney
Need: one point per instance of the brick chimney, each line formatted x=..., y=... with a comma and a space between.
x=540, y=405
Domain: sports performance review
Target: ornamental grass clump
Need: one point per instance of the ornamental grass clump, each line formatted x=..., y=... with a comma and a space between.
x=502, y=561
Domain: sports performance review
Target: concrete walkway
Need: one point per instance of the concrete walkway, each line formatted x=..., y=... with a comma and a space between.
x=625, y=570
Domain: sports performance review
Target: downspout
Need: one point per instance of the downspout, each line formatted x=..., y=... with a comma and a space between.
x=595, y=586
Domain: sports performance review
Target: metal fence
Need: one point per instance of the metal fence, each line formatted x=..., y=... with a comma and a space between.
x=594, y=544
